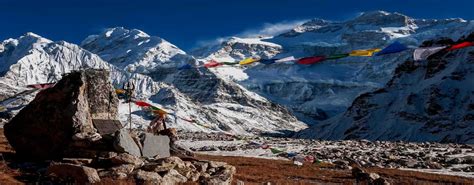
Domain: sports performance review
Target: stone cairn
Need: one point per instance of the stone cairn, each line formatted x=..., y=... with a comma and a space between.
x=72, y=125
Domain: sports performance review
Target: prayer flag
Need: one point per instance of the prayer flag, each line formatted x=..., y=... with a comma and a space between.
x=311, y=60
x=392, y=48
x=248, y=61
x=275, y=150
x=460, y=45
x=142, y=104
x=364, y=53
x=424, y=53
x=286, y=59
x=337, y=56
x=267, y=61
x=212, y=63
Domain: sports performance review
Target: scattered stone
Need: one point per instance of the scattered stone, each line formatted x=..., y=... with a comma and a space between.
x=174, y=177
x=216, y=164
x=239, y=182
x=80, y=174
x=144, y=177
x=156, y=146
x=125, y=158
x=223, y=175
x=380, y=181
x=78, y=161
x=125, y=143
x=125, y=168
x=201, y=166
x=433, y=165
x=156, y=167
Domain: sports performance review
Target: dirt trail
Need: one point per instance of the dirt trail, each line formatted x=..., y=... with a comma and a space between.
x=257, y=170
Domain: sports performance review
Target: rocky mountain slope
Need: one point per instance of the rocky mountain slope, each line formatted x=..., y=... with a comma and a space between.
x=206, y=102
x=32, y=59
x=321, y=91
x=424, y=101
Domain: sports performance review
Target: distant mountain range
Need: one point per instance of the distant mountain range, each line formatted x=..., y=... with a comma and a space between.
x=277, y=97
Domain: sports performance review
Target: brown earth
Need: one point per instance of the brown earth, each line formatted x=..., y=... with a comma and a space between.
x=258, y=171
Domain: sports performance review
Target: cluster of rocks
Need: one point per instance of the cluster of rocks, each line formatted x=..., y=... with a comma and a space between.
x=385, y=154
x=169, y=170
x=363, y=177
x=73, y=126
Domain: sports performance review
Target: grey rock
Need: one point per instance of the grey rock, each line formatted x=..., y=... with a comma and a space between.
x=78, y=161
x=380, y=181
x=156, y=167
x=124, y=143
x=216, y=164
x=433, y=165
x=154, y=145
x=201, y=166
x=125, y=168
x=144, y=177
x=125, y=158
x=80, y=174
x=222, y=175
x=174, y=177
x=44, y=129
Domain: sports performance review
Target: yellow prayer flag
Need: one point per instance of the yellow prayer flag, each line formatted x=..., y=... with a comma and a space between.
x=248, y=61
x=364, y=53
x=119, y=91
x=160, y=112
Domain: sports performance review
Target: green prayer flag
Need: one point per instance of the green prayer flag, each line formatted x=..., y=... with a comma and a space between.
x=229, y=63
x=276, y=150
x=337, y=56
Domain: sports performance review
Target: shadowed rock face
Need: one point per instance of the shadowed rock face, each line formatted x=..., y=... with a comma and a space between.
x=45, y=127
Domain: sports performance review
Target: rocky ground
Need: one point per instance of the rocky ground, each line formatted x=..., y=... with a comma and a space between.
x=248, y=170
x=454, y=159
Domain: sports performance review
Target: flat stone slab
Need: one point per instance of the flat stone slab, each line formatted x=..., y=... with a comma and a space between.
x=106, y=126
x=125, y=143
x=154, y=145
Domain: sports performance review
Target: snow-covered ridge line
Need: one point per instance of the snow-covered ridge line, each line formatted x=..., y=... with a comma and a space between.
x=424, y=101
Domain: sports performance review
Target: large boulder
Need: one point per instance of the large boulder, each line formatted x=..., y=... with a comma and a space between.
x=124, y=143
x=45, y=127
x=80, y=174
x=156, y=146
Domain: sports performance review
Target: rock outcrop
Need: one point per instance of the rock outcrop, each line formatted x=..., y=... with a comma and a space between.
x=47, y=126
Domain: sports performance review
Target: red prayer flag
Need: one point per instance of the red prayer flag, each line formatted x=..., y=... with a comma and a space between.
x=309, y=159
x=142, y=104
x=41, y=86
x=460, y=45
x=311, y=60
x=212, y=63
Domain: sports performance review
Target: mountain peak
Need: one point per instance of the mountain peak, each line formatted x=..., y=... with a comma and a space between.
x=30, y=38
x=31, y=34
x=132, y=49
x=120, y=31
x=382, y=18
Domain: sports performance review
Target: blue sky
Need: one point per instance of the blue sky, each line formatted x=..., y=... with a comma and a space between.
x=188, y=23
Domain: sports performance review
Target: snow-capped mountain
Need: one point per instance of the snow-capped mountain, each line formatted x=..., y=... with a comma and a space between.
x=31, y=59
x=321, y=91
x=246, y=99
x=213, y=104
x=196, y=94
x=134, y=50
x=424, y=101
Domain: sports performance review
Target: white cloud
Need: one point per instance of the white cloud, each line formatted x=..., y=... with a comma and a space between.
x=267, y=29
x=271, y=29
